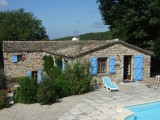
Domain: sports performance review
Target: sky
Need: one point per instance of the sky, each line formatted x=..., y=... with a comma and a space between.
x=62, y=17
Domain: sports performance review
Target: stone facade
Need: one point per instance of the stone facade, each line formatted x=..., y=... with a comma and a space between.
x=119, y=51
x=33, y=61
x=30, y=61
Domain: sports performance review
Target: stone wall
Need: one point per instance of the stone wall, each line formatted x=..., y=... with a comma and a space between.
x=33, y=61
x=30, y=61
x=119, y=51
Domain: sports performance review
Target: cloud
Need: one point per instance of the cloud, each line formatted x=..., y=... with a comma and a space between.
x=98, y=24
x=4, y=3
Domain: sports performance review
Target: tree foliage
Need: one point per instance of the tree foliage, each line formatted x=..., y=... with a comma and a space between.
x=18, y=25
x=2, y=80
x=91, y=36
x=48, y=64
x=134, y=21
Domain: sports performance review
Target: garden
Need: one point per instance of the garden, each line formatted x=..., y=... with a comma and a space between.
x=57, y=83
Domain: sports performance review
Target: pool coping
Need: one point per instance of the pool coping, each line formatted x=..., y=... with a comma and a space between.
x=123, y=113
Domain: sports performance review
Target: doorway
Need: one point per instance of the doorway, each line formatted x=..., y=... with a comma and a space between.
x=127, y=68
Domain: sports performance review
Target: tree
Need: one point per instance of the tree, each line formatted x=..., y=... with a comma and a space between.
x=18, y=25
x=134, y=21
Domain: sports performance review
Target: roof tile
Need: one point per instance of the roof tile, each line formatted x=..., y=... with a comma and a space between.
x=66, y=48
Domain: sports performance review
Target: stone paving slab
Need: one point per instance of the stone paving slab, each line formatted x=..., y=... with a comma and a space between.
x=102, y=105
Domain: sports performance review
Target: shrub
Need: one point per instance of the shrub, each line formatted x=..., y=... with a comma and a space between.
x=74, y=80
x=4, y=103
x=2, y=79
x=27, y=91
x=48, y=64
x=63, y=86
x=81, y=78
x=46, y=92
x=59, y=62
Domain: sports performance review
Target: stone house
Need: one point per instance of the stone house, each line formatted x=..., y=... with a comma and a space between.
x=115, y=58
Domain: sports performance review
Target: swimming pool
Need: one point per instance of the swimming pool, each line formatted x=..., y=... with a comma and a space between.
x=149, y=111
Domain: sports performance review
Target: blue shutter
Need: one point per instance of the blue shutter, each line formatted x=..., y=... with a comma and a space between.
x=94, y=66
x=29, y=74
x=138, y=67
x=112, y=61
x=63, y=65
x=40, y=74
x=14, y=59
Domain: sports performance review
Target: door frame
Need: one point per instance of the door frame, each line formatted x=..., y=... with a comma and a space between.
x=127, y=61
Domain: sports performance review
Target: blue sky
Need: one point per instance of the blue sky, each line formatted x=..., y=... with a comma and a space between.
x=62, y=17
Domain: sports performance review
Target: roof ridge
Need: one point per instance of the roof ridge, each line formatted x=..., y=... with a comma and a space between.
x=65, y=47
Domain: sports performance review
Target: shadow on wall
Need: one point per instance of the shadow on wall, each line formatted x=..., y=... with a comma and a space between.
x=155, y=63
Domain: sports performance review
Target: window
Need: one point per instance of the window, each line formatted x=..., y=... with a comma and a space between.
x=102, y=65
x=17, y=58
x=20, y=58
x=35, y=74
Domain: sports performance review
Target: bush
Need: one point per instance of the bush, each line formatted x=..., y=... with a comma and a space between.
x=2, y=79
x=74, y=80
x=48, y=64
x=63, y=86
x=46, y=92
x=27, y=91
x=51, y=69
x=4, y=103
x=81, y=79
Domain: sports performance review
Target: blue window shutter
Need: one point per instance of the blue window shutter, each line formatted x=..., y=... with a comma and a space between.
x=138, y=67
x=40, y=74
x=94, y=66
x=29, y=74
x=14, y=58
x=112, y=61
x=63, y=65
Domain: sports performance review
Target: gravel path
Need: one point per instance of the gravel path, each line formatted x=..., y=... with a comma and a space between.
x=40, y=112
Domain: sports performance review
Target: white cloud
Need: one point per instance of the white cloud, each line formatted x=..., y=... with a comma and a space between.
x=3, y=2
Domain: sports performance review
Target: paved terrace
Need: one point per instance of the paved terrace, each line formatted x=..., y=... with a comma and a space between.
x=103, y=105
x=97, y=105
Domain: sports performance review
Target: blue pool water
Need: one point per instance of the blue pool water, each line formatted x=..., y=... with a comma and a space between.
x=149, y=111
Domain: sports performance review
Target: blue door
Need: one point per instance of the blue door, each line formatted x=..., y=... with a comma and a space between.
x=94, y=66
x=138, y=67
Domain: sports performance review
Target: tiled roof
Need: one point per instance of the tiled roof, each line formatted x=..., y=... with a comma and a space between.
x=64, y=48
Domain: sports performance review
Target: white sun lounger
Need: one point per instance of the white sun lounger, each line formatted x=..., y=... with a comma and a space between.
x=109, y=84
